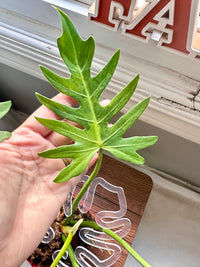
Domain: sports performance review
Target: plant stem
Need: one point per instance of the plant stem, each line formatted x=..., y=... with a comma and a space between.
x=94, y=225
x=74, y=206
x=70, y=252
x=85, y=187
x=124, y=244
x=63, y=249
x=117, y=238
x=71, y=256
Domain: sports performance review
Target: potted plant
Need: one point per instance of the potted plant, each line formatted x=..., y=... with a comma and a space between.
x=94, y=134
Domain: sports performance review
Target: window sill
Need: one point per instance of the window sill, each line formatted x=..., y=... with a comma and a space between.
x=27, y=42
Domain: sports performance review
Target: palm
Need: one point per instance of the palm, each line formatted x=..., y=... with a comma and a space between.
x=30, y=201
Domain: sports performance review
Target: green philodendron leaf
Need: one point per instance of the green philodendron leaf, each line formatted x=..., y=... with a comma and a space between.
x=96, y=134
x=4, y=135
x=4, y=108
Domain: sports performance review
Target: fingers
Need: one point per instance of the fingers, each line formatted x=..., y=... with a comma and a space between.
x=55, y=138
x=58, y=140
x=44, y=112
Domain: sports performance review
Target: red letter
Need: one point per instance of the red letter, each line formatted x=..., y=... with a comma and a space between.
x=180, y=27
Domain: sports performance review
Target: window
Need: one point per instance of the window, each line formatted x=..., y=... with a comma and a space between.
x=29, y=29
x=196, y=34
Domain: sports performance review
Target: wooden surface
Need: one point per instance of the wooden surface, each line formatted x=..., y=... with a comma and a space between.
x=137, y=187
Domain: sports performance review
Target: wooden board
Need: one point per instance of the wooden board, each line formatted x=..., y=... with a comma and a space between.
x=137, y=187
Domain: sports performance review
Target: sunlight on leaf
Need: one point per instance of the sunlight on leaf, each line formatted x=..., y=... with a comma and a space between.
x=95, y=135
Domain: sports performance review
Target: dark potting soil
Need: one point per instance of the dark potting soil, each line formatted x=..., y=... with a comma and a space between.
x=42, y=256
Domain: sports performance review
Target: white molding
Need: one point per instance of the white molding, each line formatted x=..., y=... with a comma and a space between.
x=136, y=20
x=171, y=107
x=77, y=7
x=121, y=17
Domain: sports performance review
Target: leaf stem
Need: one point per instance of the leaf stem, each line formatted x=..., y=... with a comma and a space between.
x=70, y=252
x=67, y=242
x=122, y=242
x=85, y=187
x=63, y=249
x=72, y=257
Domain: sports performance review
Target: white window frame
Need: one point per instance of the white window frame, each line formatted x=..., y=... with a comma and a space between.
x=28, y=38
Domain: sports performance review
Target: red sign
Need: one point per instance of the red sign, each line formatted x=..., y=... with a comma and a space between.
x=167, y=22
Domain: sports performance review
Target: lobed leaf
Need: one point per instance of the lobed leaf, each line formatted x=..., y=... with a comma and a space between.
x=64, y=111
x=67, y=130
x=63, y=85
x=101, y=80
x=94, y=118
x=82, y=160
x=125, y=148
x=120, y=100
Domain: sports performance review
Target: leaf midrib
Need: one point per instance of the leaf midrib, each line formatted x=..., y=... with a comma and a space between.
x=88, y=98
x=96, y=126
x=97, y=132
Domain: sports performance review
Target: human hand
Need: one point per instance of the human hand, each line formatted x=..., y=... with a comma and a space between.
x=29, y=200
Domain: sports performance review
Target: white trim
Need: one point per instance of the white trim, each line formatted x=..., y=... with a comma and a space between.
x=169, y=7
x=156, y=30
x=117, y=6
x=136, y=20
x=112, y=14
x=77, y=7
x=170, y=107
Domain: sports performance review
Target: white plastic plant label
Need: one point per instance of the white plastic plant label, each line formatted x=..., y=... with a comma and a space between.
x=109, y=219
